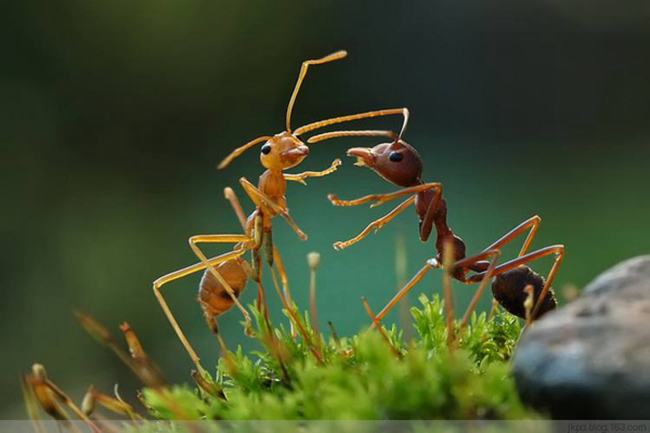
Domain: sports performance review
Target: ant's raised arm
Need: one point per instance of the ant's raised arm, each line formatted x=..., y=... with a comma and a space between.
x=380, y=199
x=300, y=177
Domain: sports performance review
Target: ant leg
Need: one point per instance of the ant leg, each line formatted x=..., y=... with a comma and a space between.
x=549, y=281
x=376, y=224
x=300, y=177
x=236, y=206
x=447, y=263
x=197, y=239
x=403, y=292
x=301, y=77
x=284, y=281
x=251, y=230
x=334, y=199
x=381, y=329
x=467, y=262
x=367, y=115
x=380, y=199
x=352, y=133
x=426, y=225
x=531, y=224
x=494, y=250
x=277, y=259
x=157, y=285
x=262, y=303
x=557, y=250
x=260, y=199
x=493, y=309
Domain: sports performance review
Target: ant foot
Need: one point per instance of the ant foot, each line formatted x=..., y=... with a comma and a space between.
x=378, y=202
x=249, y=331
x=334, y=199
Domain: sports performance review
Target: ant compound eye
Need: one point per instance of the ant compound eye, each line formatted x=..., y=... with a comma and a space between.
x=266, y=149
x=395, y=156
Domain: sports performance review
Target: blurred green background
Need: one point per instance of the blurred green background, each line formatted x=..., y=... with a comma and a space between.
x=113, y=116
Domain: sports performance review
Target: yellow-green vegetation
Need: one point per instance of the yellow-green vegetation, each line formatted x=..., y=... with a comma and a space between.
x=303, y=375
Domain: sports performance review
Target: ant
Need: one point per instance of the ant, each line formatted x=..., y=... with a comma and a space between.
x=400, y=164
x=225, y=276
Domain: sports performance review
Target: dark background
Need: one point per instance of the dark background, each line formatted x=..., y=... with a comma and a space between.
x=113, y=116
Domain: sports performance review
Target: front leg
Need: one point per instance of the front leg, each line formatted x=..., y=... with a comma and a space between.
x=426, y=225
x=376, y=225
x=262, y=200
x=300, y=177
x=380, y=199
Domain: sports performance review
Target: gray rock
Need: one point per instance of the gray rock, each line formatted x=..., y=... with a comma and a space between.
x=591, y=358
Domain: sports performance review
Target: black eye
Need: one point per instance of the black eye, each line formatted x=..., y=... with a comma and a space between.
x=266, y=149
x=395, y=156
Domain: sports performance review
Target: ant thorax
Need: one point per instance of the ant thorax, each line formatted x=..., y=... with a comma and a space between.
x=274, y=185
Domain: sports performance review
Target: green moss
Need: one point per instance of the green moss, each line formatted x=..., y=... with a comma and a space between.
x=362, y=377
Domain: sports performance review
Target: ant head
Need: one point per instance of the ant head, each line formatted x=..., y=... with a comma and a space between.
x=283, y=151
x=397, y=162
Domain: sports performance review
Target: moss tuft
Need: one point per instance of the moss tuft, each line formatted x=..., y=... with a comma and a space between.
x=367, y=376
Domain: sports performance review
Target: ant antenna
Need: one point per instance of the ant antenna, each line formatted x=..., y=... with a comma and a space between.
x=405, y=114
x=301, y=77
x=235, y=153
x=365, y=133
x=397, y=143
x=292, y=101
x=358, y=133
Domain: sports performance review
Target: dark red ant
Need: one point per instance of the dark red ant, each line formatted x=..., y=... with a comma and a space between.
x=400, y=164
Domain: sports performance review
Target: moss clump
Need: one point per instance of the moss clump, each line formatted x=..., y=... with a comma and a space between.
x=367, y=376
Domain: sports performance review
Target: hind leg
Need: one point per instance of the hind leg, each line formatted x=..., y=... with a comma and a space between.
x=493, y=255
x=254, y=230
x=403, y=292
x=486, y=269
x=198, y=239
x=181, y=273
x=557, y=250
x=531, y=224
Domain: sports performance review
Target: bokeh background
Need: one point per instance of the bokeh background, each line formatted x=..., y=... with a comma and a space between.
x=113, y=116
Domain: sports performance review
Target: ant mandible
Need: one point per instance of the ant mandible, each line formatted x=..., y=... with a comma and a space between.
x=400, y=164
x=225, y=276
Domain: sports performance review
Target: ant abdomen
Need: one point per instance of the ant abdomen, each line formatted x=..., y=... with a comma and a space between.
x=213, y=297
x=509, y=289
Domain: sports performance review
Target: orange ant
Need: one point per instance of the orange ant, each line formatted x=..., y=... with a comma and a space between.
x=400, y=164
x=225, y=276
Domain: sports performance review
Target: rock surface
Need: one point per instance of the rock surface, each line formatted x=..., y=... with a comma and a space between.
x=591, y=358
